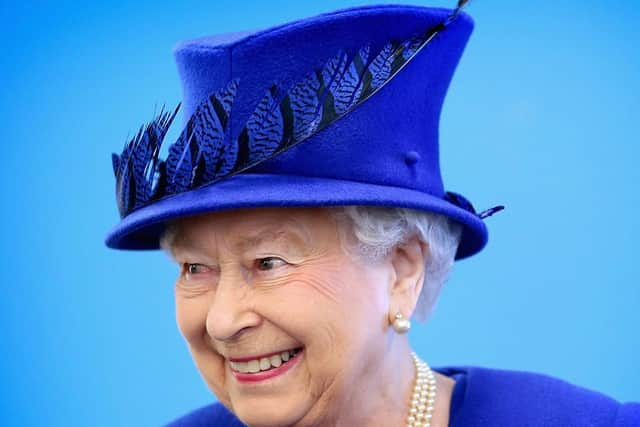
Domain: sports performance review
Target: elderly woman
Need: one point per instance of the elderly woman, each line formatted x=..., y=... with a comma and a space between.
x=304, y=205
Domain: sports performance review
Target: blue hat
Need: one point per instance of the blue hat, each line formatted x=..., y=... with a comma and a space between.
x=338, y=109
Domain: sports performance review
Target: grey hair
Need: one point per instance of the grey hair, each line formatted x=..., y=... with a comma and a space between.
x=168, y=237
x=379, y=229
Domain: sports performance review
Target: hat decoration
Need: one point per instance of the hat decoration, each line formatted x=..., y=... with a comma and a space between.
x=205, y=152
x=342, y=82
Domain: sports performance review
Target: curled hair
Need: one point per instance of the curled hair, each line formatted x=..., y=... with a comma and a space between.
x=380, y=229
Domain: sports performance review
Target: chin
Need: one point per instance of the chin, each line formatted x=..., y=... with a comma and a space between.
x=268, y=411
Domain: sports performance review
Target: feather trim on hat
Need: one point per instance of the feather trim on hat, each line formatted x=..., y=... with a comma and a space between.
x=205, y=152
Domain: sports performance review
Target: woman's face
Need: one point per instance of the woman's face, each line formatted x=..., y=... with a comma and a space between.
x=260, y=286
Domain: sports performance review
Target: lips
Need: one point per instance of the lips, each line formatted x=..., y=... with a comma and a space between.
x=264, y=367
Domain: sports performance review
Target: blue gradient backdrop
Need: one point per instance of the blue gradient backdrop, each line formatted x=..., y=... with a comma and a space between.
x=542, y=116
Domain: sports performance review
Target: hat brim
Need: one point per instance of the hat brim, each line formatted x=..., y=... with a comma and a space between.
x=143, y=228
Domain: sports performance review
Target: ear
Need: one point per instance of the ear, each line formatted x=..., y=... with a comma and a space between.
x=408, y=262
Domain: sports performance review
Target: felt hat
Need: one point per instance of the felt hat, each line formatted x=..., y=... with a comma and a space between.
x=338, y=109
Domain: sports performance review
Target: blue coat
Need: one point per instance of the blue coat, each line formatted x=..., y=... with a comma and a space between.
x=495, y=398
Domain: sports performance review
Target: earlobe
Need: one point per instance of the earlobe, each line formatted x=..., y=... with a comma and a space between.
x=408, y=262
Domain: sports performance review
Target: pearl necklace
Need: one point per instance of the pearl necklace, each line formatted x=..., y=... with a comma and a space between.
x=424, y=395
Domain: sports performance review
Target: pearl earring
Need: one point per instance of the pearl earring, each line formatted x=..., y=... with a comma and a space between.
x=400, y=324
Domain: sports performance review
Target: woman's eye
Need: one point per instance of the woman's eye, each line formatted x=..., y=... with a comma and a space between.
x=269, y=263
x=195, y=269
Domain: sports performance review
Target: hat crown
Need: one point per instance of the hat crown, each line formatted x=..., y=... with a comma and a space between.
x=391, y=139
x=338, y=109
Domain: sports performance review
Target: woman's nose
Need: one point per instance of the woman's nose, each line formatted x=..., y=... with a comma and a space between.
x=231, y=312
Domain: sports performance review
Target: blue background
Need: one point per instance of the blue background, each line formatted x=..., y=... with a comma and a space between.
x=541, y=116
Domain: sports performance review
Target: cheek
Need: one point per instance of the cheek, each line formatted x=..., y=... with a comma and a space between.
x=339, y=312
x=212, y=369
x=322, y=285
x=191, y=317
x=332, y=303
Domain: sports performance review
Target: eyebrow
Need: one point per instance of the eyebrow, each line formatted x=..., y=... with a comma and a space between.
x=269, y=235
x=298, y=236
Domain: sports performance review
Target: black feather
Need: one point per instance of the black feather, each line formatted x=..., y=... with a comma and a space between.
x=288, y=114
x=136, y=168
x=204, y=149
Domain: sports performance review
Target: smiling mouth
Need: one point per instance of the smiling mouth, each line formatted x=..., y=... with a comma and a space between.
x=266, y=363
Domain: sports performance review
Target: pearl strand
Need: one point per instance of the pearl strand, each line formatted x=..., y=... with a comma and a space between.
x=424, y=395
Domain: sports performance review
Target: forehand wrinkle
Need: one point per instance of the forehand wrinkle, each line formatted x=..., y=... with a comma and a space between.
x=286, y=231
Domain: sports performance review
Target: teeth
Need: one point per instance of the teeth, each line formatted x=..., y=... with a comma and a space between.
x=240, y=367
x=276, y=360
x=254, y=366
x=263, y=364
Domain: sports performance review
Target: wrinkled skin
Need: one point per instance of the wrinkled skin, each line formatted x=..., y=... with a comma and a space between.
x=257, y=281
